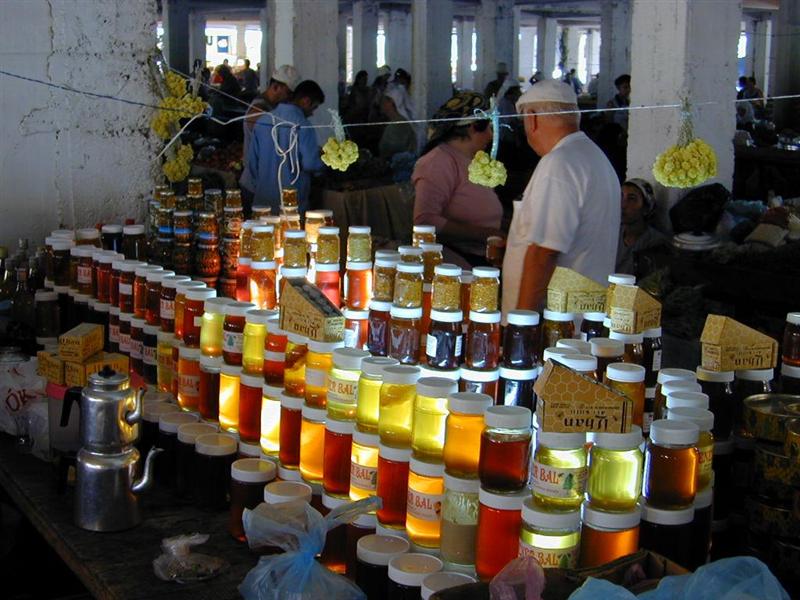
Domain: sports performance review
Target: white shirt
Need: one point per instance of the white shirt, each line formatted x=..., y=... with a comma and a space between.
x=571, y=205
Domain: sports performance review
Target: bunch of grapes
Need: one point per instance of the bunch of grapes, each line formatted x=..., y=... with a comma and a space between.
x=685, y=166
x=486, y=171
x=177, y=169
x=339, y=155
x=176, y=85
x=173, y=110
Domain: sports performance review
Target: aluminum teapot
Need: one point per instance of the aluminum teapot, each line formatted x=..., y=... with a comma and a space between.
x=110, y=412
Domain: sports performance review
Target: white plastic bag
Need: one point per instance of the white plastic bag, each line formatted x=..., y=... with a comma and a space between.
x=19, y=385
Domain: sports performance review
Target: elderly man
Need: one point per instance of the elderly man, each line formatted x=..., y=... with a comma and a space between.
x=569, y=214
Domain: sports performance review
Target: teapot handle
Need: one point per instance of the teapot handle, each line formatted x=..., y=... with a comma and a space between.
x=135, y=415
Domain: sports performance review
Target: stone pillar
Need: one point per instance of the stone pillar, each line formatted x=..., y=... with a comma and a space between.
x=593, y=52
x=197, y=37
x=526, y=57
x=365, y=36
x=176, y=34
x=516, y=32
x=241, y=47
x=464, y=29
x=784, y=65
x=265, y=72
x=341, y=44
x=495, y=25
x=615, y=46
x=300, y=35
x=431, y=54
x=673, y=53
x=749, y=29
x=546, y=46
x=398, y=39
x=573, y=46
x=762, y=39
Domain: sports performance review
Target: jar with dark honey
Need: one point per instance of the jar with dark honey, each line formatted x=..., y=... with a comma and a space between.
x=443, y=344
x=378, y=332
x=634, y=346
x=505, y=449
x=134, y=244
x=556, y=326
x=233, y=332
x=208, y=262
x=791, y=340
x=182, y=258
x=521, y=339
x=479, y=382
x=111, y=237
x=592, y=325
x=483, y=340
x=718, y=386
x=404, y=334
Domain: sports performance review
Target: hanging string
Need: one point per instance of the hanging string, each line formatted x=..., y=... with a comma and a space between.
x=290, y=153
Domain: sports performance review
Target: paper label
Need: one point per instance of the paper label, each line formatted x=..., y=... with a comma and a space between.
x=350, y=338
x=342, y=390
x=459, y=341
x=149, y=355
x=125, y=342
x=232, y=342
x=125, y=288
x=549, y=558
x=431, y=343
x=585, y=338
x=558, y=483
x=189, y=385
x=364, y=478
x=84, y=274
x=656, y=361
x=426, y=507
x=198, y=321
x=164, y=360
x=270, y=356
x=113, y=333
x=705, y=458
x=316, y=378
x=167, y=309
x=136, y=347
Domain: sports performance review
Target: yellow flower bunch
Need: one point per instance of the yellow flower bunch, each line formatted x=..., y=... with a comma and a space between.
x=486, y=171
x=176, y=109
x=176, y=85
x=685, y=166
x=177, y=168
x=339, y=155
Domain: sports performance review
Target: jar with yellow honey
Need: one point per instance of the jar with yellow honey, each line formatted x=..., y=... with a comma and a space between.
x=319, y=361
x=423, y=233
x=559, y=470
x=383, y=276
x=430, y=415
x=408, y=286
x=446, y=294
x=369, y=390
x=359, y=244
x=615, y=470
x=328, y=245
x=396, y=413
x=485, y=289
x=463, y=430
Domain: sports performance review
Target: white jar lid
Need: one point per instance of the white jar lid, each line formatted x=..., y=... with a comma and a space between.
x=90, y=233
x=145, y=269
x=291, y=402
x=628, y=338
x=704, y=498
x=485, y=317
x=125, y=266
x=200, y=293
x=128, y=317
x=625, y=372
x=157, y=276
x=189, y=432
x=519, y=374
x=583, y=363
x=293, y=234
x=216, y=444
x=323, y=347
x=263, y=265
x=252, y=381
x=436, y=387
x=561, y=441
x=614, y=521
x=480, y=376
x=660, y=516
x=793, y=318
x=522, y=318
x=294, y=272
x=655, y=332
x=682, y=433
x=355, y=315
x=172, y=281
x=451, y=374
x=552, y=315
x=553, y=353
x=184, y=351
x=469, y=403
x=394, y=454
x=45, y=296
x=579, y=345
x=374, y=365
x=271, y=392
x=404, y=267
x=389, y=262
x=297, y=339
x=237, y=309
x=447, y=270
x=447, y=316
x=667, y=375
x=682, y=385
x=507, y=417
x=216, y=306
x=182, y=286
x=358, y=265
x=331, y=502
x=362, y=438
x=539, y=517
x=460, y=484
x=619, y=441
x=410, y=569
x=431, y=247
x=340, y=427
x=329, y=230
x=714, y=376
x=253, y=470
x=111, y=228
x=436, y=582
x=231, y=370
x=83, y=298
x=426, y=469
x=701, y=417
x=409, y=251
x=148, y=329
x=595, y=317
x=311, y=413
x=170, y=421
x=621, y=279
x=133, y=229
x=503, y=501
x=424, y=229
x=755, y=374
x=681, y=399
x=401, y=374
x=378, y=550
x=398, y=312
x=349, y=358
x=391, y=531
x=790, y=371
x=259, y=316
x=164, y=337
x=114, y=310
x=606, y=347
x=286, y=491
x=212, y=363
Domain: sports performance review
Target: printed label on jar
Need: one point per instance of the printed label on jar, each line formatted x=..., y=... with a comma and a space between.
x=189, y=385
x=316, y=378
x=167, y=309
x=426, y=507
x=342, y=390
x=350, y=338
x=431, y=343
x=459, y=340
x=113, y=333
x=278, y=357
x=232, y=342
x=566, y=558
x=656, y=360
x=364, y=478
x=558, y=483
x=704, y=460
x=164, y=361
x=84, y=274
x=647, y=420
x=125, y=288
x=149, y=355
x=125, y=342
x=136, y=348
x=585, y=338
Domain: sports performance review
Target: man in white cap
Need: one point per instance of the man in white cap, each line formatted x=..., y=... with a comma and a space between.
x=569, y=213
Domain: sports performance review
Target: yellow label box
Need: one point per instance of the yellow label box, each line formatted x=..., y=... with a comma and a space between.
x=77, y=374
x=305, y=310
x=570, y=402
x=727, y=345
x=80, y=342
x=633, y=310
x=569, y=291
x=50, y=366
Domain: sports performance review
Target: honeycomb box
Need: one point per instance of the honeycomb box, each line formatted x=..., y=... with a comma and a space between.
x=80, y=342
x=727, y=345
x=569, y=291
x=50, y=366
x=570, y=402
x=306, y=311
x=77, y=374
x=632, y=310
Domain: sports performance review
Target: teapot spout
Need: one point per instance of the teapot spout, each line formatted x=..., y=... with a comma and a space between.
x=134, y=416
x=147, y=476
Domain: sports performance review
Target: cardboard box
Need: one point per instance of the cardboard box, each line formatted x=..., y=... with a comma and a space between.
x=570, y=402
x=80, y=342
x=569, y=291
x=632, y=310
x=77, y=374
x=727, y=345
x=50, y=366
x=305, y=310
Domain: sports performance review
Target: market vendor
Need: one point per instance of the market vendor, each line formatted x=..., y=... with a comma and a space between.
x=263, y=162
x=569, y=213
x=636, y=233
x=401, y=136
x=464, y=213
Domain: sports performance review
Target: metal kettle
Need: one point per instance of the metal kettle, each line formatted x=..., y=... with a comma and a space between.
x=110, y=412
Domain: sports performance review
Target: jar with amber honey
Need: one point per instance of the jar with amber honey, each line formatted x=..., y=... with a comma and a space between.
x=671, y=464
x=607, y=536
x=704, y=419
x=634, y=346
x=463, y=430
x=294, y=374
x=328, y=245
x=431, y=258
x=404, y=334
x=483, y=340
x=314, y=220
x=628, y=379
x=319, y=362
x=262, y=281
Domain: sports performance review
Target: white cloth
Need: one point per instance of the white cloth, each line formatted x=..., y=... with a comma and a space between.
x=571, y=205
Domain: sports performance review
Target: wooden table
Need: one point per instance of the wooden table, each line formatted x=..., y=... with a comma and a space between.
x=119, y=565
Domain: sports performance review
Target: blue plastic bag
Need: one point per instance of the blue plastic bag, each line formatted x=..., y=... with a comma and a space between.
x=300, y=531
x=737, y=578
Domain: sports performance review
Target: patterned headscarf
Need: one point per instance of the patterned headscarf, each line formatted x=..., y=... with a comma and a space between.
x=648, y=195
x=462, y=105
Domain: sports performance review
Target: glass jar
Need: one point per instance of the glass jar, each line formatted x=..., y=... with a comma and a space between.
x=579, y=346
x=369, y=389
x=628, y=379
x=358, y=285
x=396, y=414
x=363, y=467
x=262, y=243
x=248, y=478
x=359, y=244
x=406, y=573
x=479, y=382
x=211, y=323
x=704, y=419
x=140, y=295
x=336, y=451
x=634, y=346
x=430, y=414
x=463, y=430
x=607, y=536
x=379, y=326
x=521, y=339
x=254, y=338
x=410, y=254
x=319, y=361
x=189, y=377
x=559, y=470
x=127, y=274
x=404, y=334
x=423, y=233
x=552, y=538
x=274, y=353
x=103, y=275
x=790, y=353
x=652, y=355
x=556, y=326
x=667, y=532
x=312, y=441
x=408, y=286
x=183, y=258
x=615, y=470
x=134, y=244
x=215, y=453
x=208, y=398
x=190, y=313
x=385, y=271
x=342, y=386
x=505, y=449
x=328, y=280
x=208, y=262
x=164, y=355
x=392, y=486
x=243, y=279
x=153, y=295
x=183, y=229
x=592, y=326
x=270, y=420
x=113, y=328
x=446, y=293
x=294, y=374
x=61, y=261
x=262, y=282
x=149, y=354
x=670, y=464
x=701, y=528
x=151, y=413
x=290, y=424
x=515, y=387
x=314, y=220
x=606, y=351
x=499, y=524
x=425, y=494
x=459, y=520
x=88, y=237
x=167, y=440
x=484, y=290
x=685, y=399
x=373, y=554
x=111, y=237
x=295, y=252
x=669, y=385
x=169, y=290
x=249, y=419
x=748, y=383
x=483, y=341
x=790, y=384
x=233, y=331
x=125, y=333
x=719, y=389
x=614, y=280
x=328, y=246
x=229, y=383
x=47, y=315
x=431, y=258
x=186, y=474
x=443, y=344
x=356, y=328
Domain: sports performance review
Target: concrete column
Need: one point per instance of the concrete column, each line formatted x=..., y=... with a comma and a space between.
x=398, y=39
x=197, y=37
x=494, y=23
x=526, y=57
x=300, y=35
x=241, y=47
x=673, y=54
x=431, y=54
x=365, y=36
x=762, y=39
x=593, y=59
x=265, y=72
x=615, y=46
x=546, y=46
x=749, y=29
x=573, y=46
x=517, y=35
x=176, y=34
x=341, y=43
x=464, y=29
x=784, y=64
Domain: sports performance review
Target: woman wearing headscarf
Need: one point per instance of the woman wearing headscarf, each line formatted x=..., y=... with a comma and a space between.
x=636, y=235
x=464, y=213
x=401, y=135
